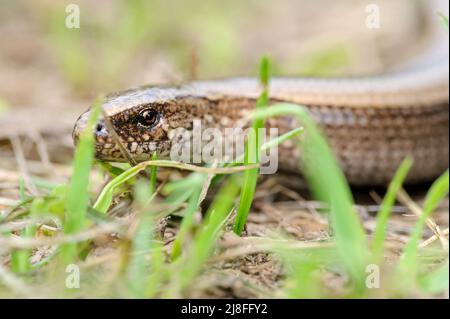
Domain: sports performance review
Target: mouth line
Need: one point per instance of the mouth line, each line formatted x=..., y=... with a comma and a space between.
x=121, y=159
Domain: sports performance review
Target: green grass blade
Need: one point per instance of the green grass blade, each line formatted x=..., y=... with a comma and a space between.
x=435, y=282
x=329, y=185
x=139, y=267
x=386, y=207
x=247, y=190
x=444, y=20
x=153, y=174
x=20, y=259
x=78, y=193
x=186, y=224
x=22, y=193
x=189, y=266
x=437, y=192
x=104, y=200
x=112, y=170
x=252, y=153
x=302, y=280
x=264, y=72
x=272, y=143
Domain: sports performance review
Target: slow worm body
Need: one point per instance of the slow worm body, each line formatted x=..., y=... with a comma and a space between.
x=371, y=123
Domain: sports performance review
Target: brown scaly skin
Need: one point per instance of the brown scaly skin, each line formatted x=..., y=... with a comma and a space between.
x=371, y=124
x=370, y=142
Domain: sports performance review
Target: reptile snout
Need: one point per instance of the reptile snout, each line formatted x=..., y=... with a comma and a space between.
x=79, y=127
x=100, y=130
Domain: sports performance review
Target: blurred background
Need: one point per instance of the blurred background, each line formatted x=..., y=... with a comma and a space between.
x=49, y=73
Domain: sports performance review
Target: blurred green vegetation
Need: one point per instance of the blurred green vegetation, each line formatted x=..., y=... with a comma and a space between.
x=4, y=106
x=144, y=269
x=111, y=38
x=200, y=38
x=98, y=56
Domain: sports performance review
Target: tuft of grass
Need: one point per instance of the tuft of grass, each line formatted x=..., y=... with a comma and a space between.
x=328, y=184
x=204, y=241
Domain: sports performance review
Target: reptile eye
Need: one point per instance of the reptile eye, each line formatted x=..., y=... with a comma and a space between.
x=148, y=118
